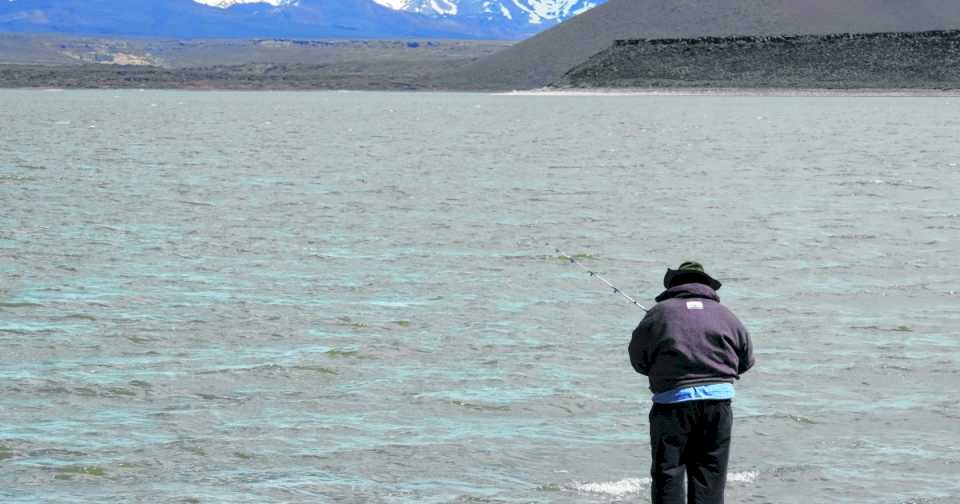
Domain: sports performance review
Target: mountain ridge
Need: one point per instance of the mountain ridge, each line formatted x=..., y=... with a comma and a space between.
x=454, y=19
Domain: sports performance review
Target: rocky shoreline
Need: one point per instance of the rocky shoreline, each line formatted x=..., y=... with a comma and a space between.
x=920, y=60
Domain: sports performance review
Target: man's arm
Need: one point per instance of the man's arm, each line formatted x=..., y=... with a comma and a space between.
x=639, y=347
x=745, y=351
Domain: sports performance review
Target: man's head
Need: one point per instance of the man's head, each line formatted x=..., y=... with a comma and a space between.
x=689, y=272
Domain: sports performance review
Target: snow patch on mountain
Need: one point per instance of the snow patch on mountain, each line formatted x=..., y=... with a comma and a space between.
x=444, y=7
x=539, y=10
x=395, y=4
x=226, y=4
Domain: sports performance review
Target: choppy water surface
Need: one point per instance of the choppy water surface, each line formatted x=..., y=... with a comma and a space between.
x=352, y=297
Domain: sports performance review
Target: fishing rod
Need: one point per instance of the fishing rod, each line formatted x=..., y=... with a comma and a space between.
x=594, y=274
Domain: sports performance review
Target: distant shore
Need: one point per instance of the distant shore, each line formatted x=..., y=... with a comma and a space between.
x=879, y=64
x=550, y=92
x=737, y=91
x=40, y=61
x=247, y=77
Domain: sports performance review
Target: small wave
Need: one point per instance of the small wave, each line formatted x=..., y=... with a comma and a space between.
x=220, y=398
x=25, y=332
x=314, y=369
x=620, y=488
x=481, y=406
x=21, y=305
x=16, y=178
x=783, y=416
x=268, y=368
x=6, y=453
x=197, y=203
x=68, y=471
x=899, y=328
x=57, y=387
x=854, y=236
x=743, y=477
x=633, y=486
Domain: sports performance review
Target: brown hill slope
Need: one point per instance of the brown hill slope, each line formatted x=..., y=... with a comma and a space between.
x=547, y=56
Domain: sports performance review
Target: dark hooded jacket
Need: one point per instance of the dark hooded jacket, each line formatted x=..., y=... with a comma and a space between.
x=690, y=339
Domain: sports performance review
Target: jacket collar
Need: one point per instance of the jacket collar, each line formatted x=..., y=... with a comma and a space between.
x=690, y=290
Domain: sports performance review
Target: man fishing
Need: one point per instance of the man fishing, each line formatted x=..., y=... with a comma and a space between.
x=692, y=349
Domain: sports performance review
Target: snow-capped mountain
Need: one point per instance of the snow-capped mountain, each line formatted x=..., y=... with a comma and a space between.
x=453, y=19
x=535, y=12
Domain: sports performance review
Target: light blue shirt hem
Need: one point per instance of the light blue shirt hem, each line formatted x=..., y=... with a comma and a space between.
x=713, y=391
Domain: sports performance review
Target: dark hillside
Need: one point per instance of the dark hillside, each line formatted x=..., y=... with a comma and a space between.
x=929, y=60
x=547, y=56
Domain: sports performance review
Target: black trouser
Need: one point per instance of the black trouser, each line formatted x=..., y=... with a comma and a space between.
x=691, y=437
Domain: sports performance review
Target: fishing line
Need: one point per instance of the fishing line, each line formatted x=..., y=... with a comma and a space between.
x=594, y=274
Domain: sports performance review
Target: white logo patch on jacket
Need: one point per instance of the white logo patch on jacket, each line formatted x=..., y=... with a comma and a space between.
x=694, y=305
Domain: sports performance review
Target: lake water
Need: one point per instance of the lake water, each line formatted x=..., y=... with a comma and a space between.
x=216, y=297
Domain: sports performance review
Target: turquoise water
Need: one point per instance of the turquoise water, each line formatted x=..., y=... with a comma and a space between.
x=354, y=297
